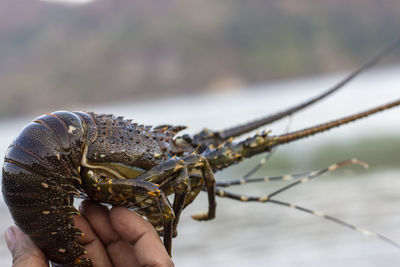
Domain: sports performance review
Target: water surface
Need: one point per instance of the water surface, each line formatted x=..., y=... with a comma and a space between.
x=253, y=234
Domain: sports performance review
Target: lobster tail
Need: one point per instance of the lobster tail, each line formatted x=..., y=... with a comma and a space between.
x=42, y=210
x=40, y=177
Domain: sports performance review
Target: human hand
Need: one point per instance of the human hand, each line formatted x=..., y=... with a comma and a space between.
x=117, y=238
x=24, y=252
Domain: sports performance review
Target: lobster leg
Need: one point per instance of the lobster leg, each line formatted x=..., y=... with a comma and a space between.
x=198, y=161
x=196, y=185
x=146, y=190
x=124, y=191
x=181, y=189
x=158, y=174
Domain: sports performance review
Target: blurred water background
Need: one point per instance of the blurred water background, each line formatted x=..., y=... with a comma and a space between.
x=210, y=65
x=249, y=234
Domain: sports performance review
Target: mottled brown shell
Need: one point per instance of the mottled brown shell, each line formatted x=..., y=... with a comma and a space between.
x=121, y=141
x=40, y=176
x=43, y=167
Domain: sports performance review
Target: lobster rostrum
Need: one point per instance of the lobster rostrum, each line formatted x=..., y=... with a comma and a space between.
x=113, y=160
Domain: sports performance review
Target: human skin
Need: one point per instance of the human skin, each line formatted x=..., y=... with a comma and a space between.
x=116, y=237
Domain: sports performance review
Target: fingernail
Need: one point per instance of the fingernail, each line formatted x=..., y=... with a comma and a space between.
x=10, y=237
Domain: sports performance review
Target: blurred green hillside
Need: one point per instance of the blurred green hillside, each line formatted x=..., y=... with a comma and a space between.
x=54, y=56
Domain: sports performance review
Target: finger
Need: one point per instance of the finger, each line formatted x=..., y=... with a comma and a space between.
x=122, y=254
x=94, y=247
x=98, y=217
x=119, y=250
x=146, y=244
x=24, y=252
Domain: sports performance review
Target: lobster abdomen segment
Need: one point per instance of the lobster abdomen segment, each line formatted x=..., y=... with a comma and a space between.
x=42, y=209
x=39, y=179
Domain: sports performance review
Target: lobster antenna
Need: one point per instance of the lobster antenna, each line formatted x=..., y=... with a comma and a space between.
x=338, y=221
x=299, y=177
x=241, y=129
x=229, y=153
x=243, y=180
x=261, y=163
x=319, y=173
x=289, y=137
x=264, y=160
x=227, y=194
x=304, y=178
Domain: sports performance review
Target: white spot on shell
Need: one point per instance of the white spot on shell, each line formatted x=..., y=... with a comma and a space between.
x=252, y=145
x=90, y=173
x=102, y=156
x=71, y=129
x=58, y=156
x=62, y=250
x=45, y=212
x=45, y=185
x=148, y=201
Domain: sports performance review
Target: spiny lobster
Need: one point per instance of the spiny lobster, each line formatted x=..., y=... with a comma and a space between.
x=115, y=161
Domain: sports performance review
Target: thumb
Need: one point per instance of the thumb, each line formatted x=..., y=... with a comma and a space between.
x=24, y=252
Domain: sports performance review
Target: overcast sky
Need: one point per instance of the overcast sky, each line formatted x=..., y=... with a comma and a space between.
x=69, y=1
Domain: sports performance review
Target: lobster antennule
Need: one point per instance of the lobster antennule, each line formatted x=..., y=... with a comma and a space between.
x=289, y=137
x=217, y=137
x=229, y=153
